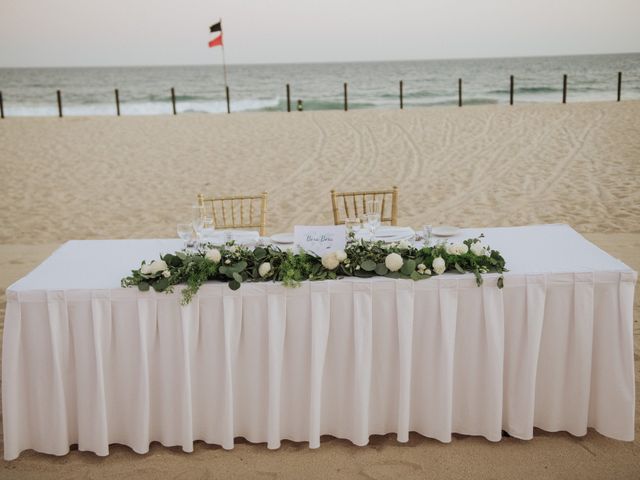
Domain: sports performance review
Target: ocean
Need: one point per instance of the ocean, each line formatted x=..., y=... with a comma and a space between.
x=146, y=90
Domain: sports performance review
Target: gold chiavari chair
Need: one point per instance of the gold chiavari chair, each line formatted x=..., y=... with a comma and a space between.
x=354, y=204
x=237, y=211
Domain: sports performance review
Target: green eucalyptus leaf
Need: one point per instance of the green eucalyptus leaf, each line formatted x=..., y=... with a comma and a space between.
x=363, y=273
x=143, y=286
x=381, y=269
x=259, y=253
x=234, y=285
x=500, y=281
x=408, y=267
x=416, y=276
x=368, y=265
x=459, y=268
x=237, y=277
x=161, y=285
x=238, y=267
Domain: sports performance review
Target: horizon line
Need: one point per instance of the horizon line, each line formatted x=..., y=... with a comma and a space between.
x=326, y=62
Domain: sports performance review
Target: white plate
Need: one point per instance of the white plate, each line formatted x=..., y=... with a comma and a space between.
x=395, y=238
x=241, y=237
x=384, y=232
x=282, y=238
x=394, y=234
x=445, y=231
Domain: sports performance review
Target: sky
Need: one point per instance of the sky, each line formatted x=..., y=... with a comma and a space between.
x=40, y=33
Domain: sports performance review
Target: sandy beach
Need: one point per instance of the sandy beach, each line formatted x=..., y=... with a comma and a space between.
x=136, y=177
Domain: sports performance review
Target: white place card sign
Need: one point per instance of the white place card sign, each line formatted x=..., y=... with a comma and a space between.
x=320, y=239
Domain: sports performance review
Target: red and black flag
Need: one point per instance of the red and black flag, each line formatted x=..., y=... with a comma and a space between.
x=216, y=27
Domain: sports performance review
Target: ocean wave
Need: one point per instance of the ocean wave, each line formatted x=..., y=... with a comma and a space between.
x=142, y=108
x=443, y=102
x=501, y=91
x=412, y=94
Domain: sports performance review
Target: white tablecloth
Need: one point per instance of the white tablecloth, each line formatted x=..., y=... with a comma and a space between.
x=86, y=362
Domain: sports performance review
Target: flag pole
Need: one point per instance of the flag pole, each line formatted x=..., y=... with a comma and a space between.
x=224, y=69
x=224, y=62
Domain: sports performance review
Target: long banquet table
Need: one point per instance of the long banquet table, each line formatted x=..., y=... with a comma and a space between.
x=89, y=363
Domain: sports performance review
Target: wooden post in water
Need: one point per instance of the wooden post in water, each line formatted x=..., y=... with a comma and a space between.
x=619, y=85
x=459, y=92
x=288, y=98
x=564, y=88
x=346, y=103
x=1, y=106
x=173, y=100
x=511, y=90
x=401, y=95
x=226, y=88
x=59, y=95
x=117, y=102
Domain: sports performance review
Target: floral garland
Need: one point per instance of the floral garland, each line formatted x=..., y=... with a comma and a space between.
x=236, y=264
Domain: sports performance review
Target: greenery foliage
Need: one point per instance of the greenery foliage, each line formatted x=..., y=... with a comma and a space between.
x=235, y=264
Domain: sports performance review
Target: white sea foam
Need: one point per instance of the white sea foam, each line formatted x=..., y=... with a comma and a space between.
x=141, y=108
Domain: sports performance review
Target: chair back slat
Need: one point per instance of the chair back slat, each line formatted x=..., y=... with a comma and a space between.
x=389, y=204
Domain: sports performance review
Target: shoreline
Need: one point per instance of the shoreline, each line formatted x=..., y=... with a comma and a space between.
x=449, y=106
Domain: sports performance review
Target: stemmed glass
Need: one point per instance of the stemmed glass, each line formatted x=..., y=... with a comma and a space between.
x=353, y=225
x=208, y=227
x=373, y=215
x=426, y=233
x=185, y=232
x=197, y=220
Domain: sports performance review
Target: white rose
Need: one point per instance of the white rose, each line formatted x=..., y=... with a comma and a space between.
x=213, y=255
x=232, y=248
x=403, y=245
x=264, y=269
x=341, y=255
x=145, y=269
x=438, y=265
x=477, y=249
x=421, y=267
x=158, y=266
x=166, y=274
x=330, y=261
x=457, y=249
x=393, y=262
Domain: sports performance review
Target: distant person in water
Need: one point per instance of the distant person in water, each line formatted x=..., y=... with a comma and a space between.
x=300, y=105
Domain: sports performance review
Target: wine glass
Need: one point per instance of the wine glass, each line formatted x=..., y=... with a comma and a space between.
x=185, y=232
x=353, y=225
x=373, y=215
x=197, y=220
x=208, y=227
x=426, y=233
